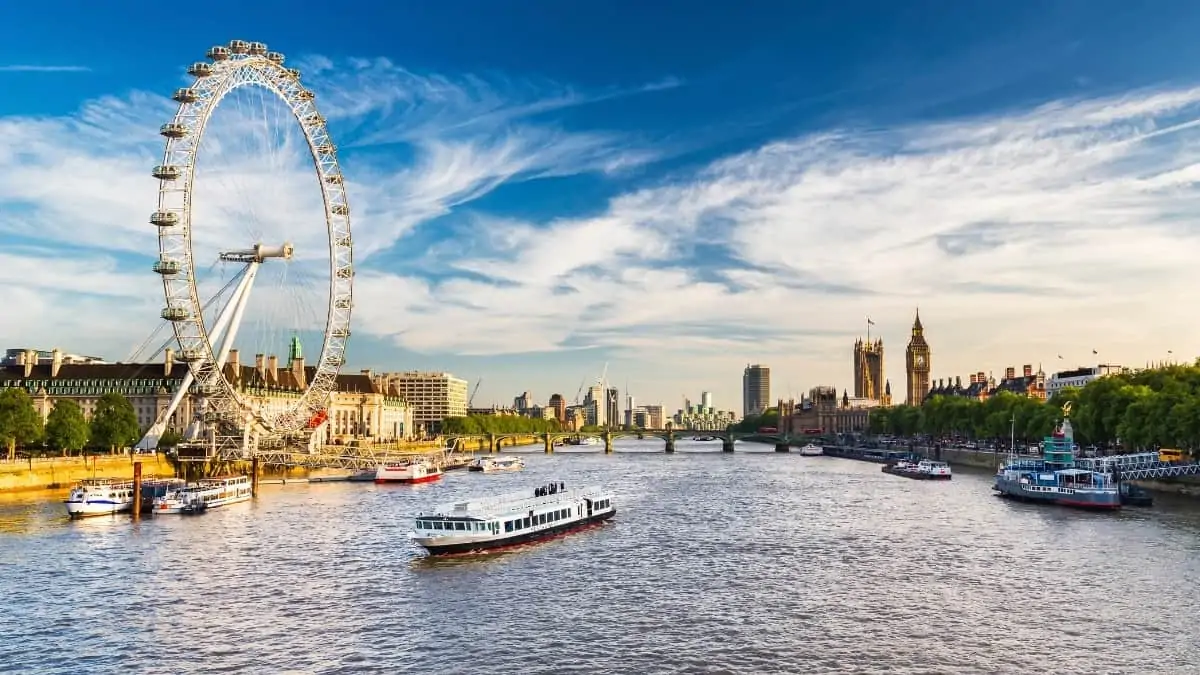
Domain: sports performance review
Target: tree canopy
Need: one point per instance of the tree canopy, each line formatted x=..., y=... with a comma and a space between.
x=752, y=423
x=497, y=424
x=114, y=422
x=66, y=427
x=20, y=423
x=1150, y=408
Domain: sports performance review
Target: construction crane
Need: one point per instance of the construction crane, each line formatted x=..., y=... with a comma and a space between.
x=471, y=400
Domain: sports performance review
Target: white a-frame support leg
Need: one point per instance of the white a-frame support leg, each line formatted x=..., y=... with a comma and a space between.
x=231, y=313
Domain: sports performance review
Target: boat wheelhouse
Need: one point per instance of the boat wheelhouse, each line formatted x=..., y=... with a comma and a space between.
x=511, y=519
x=1056, y=478
x=925, y=469
x=496, y=464
x=204, y=494
x=408, y=471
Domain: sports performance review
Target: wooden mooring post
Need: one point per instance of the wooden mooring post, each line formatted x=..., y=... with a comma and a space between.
x=253, y=476
x=137, y=490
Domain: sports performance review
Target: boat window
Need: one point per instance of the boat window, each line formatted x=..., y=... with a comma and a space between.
x=508, y=526
x=526, y=521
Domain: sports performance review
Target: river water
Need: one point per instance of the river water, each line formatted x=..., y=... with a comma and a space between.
x=753, y=562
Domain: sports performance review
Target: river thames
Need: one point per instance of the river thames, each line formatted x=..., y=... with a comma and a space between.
x=753, y=562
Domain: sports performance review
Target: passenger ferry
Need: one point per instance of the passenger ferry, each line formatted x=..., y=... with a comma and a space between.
x=492, y=465
x=408, y=471
x=507, y=520
x=204, y=494
x=106, y=496
x=922, y=470
x=811, y=450
x=1055, y=479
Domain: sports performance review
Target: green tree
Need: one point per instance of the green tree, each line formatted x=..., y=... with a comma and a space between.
x=114, y=422
x=497, y=424
x=169, y=439
x=20, y=423
x=66, y=427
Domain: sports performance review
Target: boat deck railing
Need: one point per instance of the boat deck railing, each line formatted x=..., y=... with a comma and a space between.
x=512, y=502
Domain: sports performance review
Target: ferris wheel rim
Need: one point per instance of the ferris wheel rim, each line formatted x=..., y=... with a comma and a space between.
x=239, y=65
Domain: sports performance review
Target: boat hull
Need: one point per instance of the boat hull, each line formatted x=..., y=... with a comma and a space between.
x=427, y=478
x=1078, y=498
x=434, y=548
x=916, y=475
x=103, y=507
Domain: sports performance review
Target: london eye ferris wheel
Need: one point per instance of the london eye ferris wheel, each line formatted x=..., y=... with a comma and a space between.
x=201, y=204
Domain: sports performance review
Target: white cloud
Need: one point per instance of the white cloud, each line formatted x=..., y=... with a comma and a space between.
x=81, y=183
x=1022, y=236
x=27, y=68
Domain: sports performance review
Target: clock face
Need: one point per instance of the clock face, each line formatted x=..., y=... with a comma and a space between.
x=920, y=361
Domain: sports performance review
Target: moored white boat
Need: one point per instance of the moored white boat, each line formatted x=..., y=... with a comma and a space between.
x=409, y=471
x=511, y=519
x=496, y=464
x=923, y=470
x=812, y=450
x=204, y=494
x=100, y=497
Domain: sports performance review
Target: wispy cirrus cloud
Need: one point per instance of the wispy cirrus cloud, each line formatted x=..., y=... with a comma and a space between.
x=1018, y=234
x=254, y=184
x=29, y=68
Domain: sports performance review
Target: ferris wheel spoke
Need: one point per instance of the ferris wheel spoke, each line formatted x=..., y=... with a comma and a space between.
x=205, y=345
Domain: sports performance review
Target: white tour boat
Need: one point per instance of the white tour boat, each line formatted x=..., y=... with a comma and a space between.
x=494, y=464
x=100, y=497
x=922, y=470
x=204, y=494
x=409, y=471
x=812, y=450
x=508, y=520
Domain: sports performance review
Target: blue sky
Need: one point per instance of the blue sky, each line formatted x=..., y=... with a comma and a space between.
x=674, y=189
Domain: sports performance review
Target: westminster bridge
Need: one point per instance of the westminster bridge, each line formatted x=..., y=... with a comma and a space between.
x=493, y=442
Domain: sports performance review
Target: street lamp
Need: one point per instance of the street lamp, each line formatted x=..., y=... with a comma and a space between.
x=1012, y=448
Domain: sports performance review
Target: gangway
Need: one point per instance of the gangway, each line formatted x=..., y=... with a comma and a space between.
x=1139, y=466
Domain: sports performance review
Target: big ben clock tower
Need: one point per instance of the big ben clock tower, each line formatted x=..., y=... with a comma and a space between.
x=918, y=364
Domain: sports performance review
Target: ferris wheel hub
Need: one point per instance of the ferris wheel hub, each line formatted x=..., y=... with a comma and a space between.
x=259, y=253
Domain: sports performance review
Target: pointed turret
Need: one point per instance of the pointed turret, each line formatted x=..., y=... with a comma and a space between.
x=294, y=351
x=917, y=327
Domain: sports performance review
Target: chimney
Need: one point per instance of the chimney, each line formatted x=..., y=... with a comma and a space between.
x=981, y=376
x=168, y=362
x=260, y=366
x=1010, y=373
x=31, y=359
x=55, y=361
x=298, y=372
x=974, y=378
x=273, y=368
x=958, y=381
x=235, y=361
x=1028, y=371
x=20, y=358
x=366, y=371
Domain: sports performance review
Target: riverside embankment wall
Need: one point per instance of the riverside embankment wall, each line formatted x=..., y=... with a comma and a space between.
x=1187, y=485
x=55, y=472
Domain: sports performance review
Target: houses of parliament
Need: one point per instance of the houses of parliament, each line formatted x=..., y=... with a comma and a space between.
x=869, y=381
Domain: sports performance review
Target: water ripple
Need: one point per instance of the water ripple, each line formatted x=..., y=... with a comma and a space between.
x=750, y=563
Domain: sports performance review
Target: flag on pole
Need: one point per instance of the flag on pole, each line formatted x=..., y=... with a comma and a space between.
x=1095, y=352
x=870, y=322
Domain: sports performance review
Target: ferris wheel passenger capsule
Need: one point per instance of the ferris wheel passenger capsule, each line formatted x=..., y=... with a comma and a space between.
x=164, y=218
x=275, y=57
x=239, y=46
x=218, y=53
x=335, y=179
x=175, y=313
x=200, y=69
x=187, y=95
x=189, y=355
x=166, y=267
x=257, y=49
x=166, y=172
x=315, y=119
x=173, y=130
x=294, y=72
x=340, y=332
